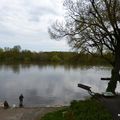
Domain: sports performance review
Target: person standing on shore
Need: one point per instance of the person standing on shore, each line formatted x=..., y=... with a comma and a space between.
x=21, y=97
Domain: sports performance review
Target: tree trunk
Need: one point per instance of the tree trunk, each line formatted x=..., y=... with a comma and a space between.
x=113, y=82
x=115, y=76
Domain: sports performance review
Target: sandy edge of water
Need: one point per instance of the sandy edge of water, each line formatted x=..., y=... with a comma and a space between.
x=27, y=113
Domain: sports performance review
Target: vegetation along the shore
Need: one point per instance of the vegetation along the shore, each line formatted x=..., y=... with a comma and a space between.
x=16, y=55
x=81, y=110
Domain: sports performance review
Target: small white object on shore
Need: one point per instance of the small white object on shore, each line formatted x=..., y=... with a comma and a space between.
x=13, y=106
x=108, y=94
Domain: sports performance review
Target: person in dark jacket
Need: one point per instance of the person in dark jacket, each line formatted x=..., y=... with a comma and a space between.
x=6, y=105
x=21, y=97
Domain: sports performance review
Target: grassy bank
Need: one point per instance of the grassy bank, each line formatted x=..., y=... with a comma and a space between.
x=81, y=110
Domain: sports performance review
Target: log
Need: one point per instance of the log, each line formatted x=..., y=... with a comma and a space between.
x=105, y=78
x=84, y=87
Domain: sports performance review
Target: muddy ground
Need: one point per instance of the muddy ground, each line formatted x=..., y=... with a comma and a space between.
x=25, y=113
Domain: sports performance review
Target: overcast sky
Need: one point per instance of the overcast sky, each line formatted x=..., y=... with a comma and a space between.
x=25, y=23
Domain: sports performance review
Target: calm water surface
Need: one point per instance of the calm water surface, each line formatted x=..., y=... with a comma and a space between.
x=49, y=85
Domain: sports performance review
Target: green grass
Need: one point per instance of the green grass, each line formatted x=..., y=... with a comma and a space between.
x=81, y=110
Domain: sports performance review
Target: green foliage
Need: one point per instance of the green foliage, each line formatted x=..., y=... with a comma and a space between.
x=16, y=48
x=1, y=50
x=58, y=115
x=55, y=58
x=16, y=55
x=81, y=110
x=89, y=110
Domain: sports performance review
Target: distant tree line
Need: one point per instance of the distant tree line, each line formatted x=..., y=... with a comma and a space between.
x=17, y=55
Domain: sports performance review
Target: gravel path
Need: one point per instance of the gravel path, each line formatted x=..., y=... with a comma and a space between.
x=25, y=113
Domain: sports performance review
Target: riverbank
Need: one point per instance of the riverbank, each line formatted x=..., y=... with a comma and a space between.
x=25, y=113
x=90, y=109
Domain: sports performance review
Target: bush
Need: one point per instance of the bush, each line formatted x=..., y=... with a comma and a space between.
x=81, y=110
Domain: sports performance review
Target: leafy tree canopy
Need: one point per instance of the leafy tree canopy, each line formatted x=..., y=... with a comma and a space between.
x=92, y=26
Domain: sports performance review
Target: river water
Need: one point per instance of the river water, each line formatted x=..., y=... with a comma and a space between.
x=49, y=85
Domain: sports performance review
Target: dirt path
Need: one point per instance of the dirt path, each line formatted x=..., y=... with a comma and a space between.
x=113, y=105
x=24, y=113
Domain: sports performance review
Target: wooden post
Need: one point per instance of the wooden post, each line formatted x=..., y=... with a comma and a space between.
x=105, y=78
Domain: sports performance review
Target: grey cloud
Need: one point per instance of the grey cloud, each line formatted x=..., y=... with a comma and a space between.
x=26, y=24
x=37, y=13
x=43, y=11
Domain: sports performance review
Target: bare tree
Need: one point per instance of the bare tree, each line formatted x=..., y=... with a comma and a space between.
x=92, y=26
